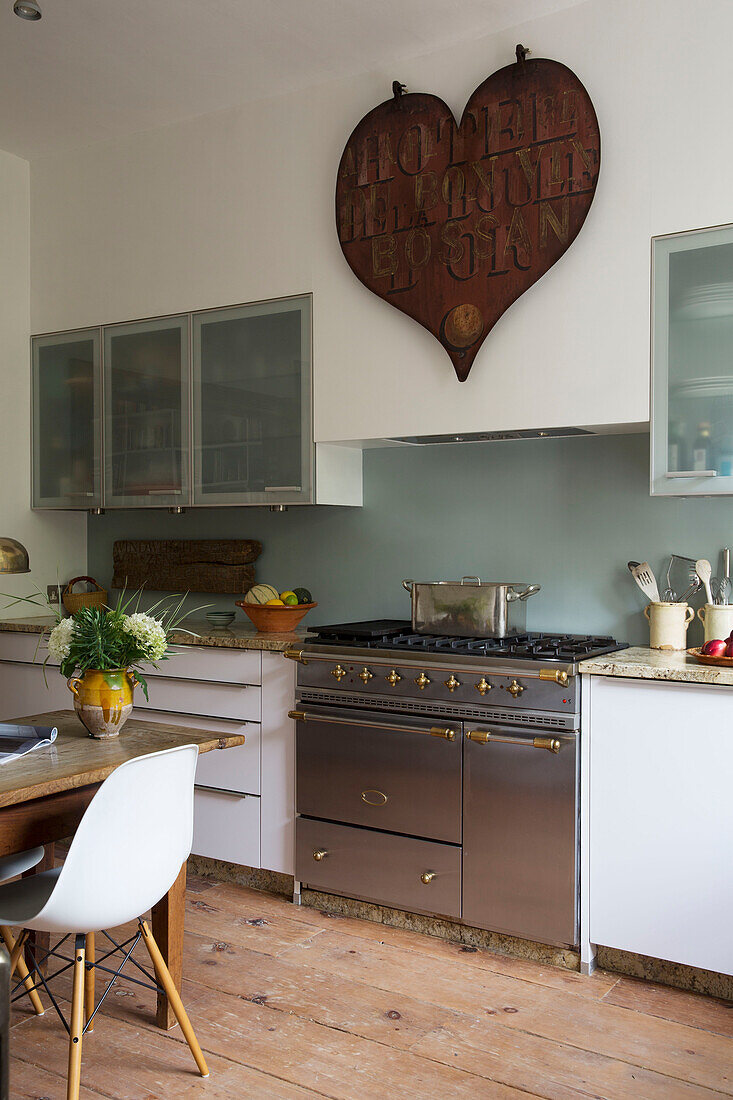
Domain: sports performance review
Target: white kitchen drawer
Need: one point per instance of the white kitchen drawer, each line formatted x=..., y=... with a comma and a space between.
x=235, y=769
x=24, y=647
x=203, y=698
x=227, y=826
x=224, y=666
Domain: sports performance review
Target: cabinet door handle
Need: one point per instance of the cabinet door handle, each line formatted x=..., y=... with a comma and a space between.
x=320, y=854
x=427, y=877
x=219, y=790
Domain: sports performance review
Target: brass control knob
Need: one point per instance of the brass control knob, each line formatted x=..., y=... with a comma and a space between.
x=394, y=678
x=422, y=681
x=339, y=673
x=451, y=683
x=515, y=689
x=427, y=877
x=319, y=854
x=483, y=686
x=365, y=675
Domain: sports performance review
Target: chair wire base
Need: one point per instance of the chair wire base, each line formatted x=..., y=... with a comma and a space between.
x=19, y=990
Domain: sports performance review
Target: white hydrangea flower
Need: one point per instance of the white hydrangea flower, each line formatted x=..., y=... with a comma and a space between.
x=59, y=640
x=148, y=633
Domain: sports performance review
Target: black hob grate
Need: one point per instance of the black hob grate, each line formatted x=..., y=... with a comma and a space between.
x=398, y=634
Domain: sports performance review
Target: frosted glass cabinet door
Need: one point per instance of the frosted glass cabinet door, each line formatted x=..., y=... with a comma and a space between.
x=692, y=363
x=252, y=404
x=146, y=404
x=66, y=422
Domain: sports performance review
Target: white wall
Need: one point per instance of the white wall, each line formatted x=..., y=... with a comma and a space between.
x=53, y=541
x=239, y=205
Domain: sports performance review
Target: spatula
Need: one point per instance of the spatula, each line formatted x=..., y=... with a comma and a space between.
x=644, y=577
x=704, y=572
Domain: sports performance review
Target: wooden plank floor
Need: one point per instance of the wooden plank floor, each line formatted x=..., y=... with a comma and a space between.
x=290, y=1003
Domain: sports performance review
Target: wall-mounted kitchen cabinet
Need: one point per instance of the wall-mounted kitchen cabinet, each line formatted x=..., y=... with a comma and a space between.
x=252, y=404
x=692, y=363
x=66, y=420
x=204, y=409
x=146, y=414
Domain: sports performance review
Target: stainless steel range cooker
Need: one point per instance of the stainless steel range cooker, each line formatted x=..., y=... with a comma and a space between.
x=440, y=774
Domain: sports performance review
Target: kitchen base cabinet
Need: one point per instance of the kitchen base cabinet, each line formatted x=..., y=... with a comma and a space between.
x=244, y=810
x=226, y=826
x=661, y=820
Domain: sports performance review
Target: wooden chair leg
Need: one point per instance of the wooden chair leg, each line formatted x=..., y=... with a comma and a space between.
x=77, y=1022
x=164, y=977
x=89, y=997
x=15, y=954
x=23, y=973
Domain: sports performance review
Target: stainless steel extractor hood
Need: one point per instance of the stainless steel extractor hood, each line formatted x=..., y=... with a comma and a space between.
x=487, y=437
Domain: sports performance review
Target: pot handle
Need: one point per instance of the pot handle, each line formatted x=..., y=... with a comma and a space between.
x=701, y=614
x=477, y=580
x=72, y=683
x=407, y=585
x=530, y=590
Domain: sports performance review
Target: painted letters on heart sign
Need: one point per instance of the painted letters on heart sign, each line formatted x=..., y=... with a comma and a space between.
x=451, y=223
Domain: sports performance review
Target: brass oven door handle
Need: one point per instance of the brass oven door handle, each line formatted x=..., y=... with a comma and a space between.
x=435, y=731
x=485, y=737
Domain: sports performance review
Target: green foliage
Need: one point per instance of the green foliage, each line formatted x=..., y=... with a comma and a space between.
x=100, y=642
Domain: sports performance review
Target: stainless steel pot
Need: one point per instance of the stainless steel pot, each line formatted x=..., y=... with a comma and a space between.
x=471, y=608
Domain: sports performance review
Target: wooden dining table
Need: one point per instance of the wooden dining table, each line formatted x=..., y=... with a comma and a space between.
x=44, y=794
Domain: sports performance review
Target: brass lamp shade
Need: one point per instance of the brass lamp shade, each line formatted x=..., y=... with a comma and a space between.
x=13, y=557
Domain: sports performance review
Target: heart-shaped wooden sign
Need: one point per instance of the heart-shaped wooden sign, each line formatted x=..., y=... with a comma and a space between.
x=451, y=222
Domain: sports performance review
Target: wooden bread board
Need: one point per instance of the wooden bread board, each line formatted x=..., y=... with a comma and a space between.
x=223, y=566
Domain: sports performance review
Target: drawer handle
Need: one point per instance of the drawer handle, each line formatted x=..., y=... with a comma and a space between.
x=427, y=877
x=373, y=797
x=219, y=790
x=484, y=737
x=319, y=854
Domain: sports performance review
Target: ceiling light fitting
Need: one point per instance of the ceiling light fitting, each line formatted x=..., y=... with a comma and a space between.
x=27, y=9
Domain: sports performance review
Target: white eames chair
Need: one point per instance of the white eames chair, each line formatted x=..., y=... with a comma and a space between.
x=10, y=866
x=126, y=854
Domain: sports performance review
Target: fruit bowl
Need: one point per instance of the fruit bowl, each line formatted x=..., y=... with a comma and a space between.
x=709, y=659
x=275, y=620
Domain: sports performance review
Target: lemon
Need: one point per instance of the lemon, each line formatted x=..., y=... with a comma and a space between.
x=274, y=603
x=289, y=598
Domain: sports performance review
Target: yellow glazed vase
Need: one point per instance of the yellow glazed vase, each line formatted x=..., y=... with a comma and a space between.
x=103, y=700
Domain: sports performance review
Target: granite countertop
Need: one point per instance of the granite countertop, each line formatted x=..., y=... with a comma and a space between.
x=642, y=663
x=235, y=637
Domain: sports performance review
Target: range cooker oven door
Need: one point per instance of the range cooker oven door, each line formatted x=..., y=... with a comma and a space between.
x=520, y=832
x=395, y=772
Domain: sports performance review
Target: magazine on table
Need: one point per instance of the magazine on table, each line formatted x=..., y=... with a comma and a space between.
x=17, y=741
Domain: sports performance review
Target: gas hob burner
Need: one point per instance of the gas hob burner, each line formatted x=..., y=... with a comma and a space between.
x=396, y=634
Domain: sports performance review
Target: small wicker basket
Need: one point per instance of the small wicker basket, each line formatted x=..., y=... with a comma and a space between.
x=74, y=601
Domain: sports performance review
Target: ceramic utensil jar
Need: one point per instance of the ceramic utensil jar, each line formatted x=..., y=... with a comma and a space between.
x=717, y=620
x=668, y=623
